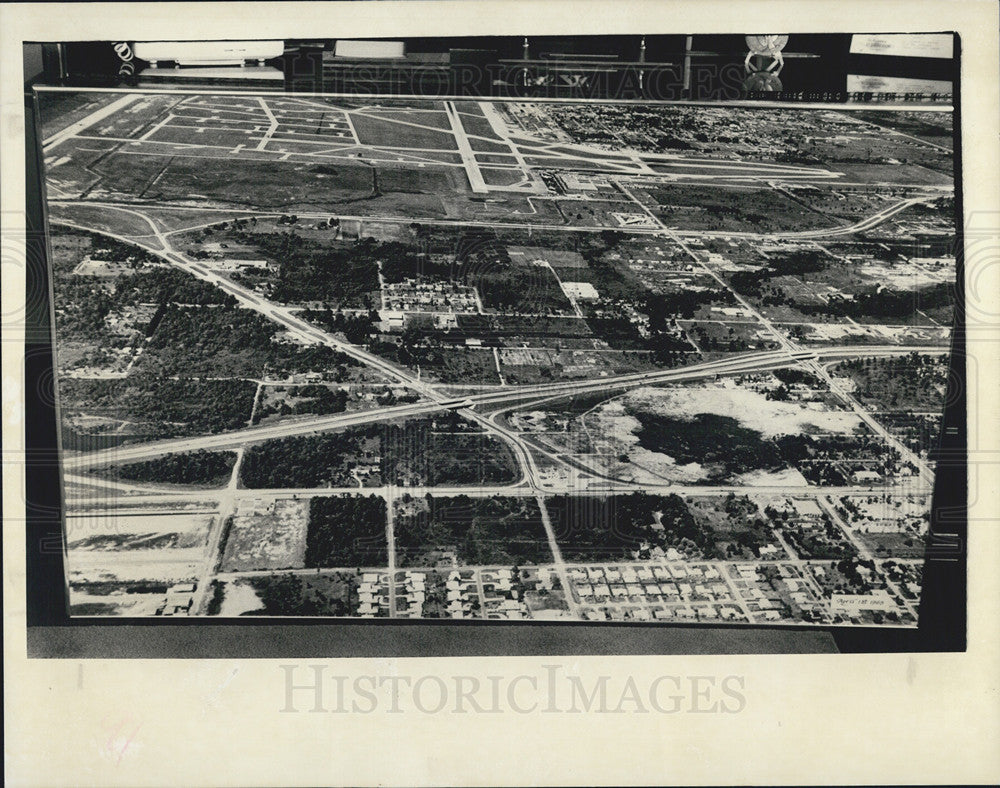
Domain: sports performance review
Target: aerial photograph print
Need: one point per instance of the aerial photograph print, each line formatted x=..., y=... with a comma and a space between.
x=549, y=358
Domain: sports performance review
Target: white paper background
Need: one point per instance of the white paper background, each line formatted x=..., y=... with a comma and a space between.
x=831, y=719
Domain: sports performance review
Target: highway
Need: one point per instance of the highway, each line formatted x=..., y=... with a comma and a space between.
x=310, y=334
x=275, y=312
x=863, y=224
x=435, y=400
x=94, y=497
x=133, y=504
x=742, y=364
x=821, y=371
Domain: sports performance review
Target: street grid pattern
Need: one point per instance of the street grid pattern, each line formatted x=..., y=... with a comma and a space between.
x=305, y=130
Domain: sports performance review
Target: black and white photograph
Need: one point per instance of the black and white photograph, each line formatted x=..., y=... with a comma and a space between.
x=392, y=345
x=547, y=358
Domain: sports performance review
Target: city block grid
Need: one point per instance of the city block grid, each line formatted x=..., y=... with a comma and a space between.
x=480, y=360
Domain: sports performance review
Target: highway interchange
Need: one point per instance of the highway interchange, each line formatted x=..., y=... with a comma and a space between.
x=91, y=493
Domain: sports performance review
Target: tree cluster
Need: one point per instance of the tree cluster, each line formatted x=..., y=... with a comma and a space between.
x=482, y=531
x=625, y=527
x=199, y=467
x=346, y=531
x=164, y=407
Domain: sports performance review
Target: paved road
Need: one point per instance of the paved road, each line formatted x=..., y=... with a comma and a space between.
x=863, y=224
x=84, y=124
x=465, y=150
x=435, y=399
x=277, y=313
x=744, y=363
x=152, y=500
x=227, y=500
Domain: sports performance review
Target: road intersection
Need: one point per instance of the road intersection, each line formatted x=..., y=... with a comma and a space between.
x=273, y=130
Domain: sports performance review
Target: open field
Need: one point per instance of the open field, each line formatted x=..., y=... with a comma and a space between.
x=267, y=537
x=703, y=435
x=732, y=209
x=124, y=565
x=390, y=129
x=145, y=408
x=463, y=360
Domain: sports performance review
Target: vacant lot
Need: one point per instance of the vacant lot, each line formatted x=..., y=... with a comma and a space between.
x=447, y=365
x=557, y=258
x=312, y=461
x=123, y=565
x=216, y=342
x=151, y=408
x=934, y=127
x=106, y=219
x=708, y=439
x=300, y=400
x=736, y=526
x=257, y=184
x=908, y=384
x=401, y=179
x=737, y=209
x=443, y=451
x=137, y=534
x=267, y=536
x=436, y=451
x=896, y=545
x=707, y=434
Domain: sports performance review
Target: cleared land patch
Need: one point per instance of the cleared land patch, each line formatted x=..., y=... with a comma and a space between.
x=266, y=535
